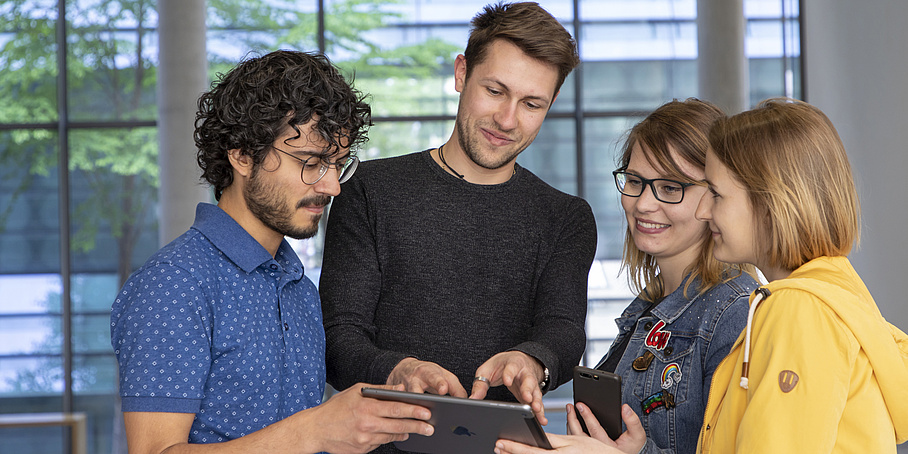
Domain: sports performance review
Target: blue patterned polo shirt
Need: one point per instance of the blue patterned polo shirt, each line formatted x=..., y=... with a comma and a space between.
x=212, y=324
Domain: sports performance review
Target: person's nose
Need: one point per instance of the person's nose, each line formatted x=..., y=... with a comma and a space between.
x=506, y=117
x=329, y=183
x=647, y=201
x=704, y=207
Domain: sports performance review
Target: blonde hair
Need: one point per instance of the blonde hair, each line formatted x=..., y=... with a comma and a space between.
x=682, y=127
x=789, y=157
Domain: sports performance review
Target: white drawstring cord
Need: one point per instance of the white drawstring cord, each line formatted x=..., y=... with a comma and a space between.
x=762, y=293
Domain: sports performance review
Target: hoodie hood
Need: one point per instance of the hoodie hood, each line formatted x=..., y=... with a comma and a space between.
x=837, y=284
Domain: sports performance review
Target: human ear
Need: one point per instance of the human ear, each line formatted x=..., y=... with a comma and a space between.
x=460, y=72
x=241, y=162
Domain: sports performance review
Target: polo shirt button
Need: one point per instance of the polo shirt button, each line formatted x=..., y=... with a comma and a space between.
x=286, y=326
x=274, y=267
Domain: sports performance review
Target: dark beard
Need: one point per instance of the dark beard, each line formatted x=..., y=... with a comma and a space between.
x=265, y=204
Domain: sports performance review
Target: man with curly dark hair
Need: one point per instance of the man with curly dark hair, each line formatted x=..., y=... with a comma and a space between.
x=453, y=268
x=219, y=335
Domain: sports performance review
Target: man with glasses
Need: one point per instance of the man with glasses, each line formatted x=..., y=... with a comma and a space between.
x=219, y=335
x=454, y=270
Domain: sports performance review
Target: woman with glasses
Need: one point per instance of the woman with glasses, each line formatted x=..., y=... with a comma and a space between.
x=690, y=307
x=818, y=368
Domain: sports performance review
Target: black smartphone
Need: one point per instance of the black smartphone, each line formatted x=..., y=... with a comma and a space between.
x=601, y=391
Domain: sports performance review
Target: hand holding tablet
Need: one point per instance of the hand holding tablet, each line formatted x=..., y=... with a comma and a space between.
x=467, y=425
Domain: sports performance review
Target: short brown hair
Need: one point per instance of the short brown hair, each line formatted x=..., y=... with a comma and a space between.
x=682, y=127
x=789, y=157
x=529, y=27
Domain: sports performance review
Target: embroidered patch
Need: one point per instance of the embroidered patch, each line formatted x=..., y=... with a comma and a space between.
x=671, y=375
x=658, y=338
x=642, y=362
x=787, y=380
x=660, y=399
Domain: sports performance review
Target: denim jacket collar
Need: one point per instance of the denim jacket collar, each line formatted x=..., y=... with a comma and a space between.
x=669, y=309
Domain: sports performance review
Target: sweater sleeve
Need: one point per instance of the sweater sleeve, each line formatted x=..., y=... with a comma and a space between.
x=349, y=287
x=559, y=336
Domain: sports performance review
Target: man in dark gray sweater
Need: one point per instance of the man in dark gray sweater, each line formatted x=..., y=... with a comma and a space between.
x=454, y=268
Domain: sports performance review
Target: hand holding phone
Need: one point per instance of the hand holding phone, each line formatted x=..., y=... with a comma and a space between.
x=601, y=392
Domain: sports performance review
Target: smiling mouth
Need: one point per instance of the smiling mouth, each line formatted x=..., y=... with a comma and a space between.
x=496, y=137
x=649, y=225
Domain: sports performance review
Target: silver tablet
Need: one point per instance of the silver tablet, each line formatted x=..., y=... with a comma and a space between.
x=467, y=425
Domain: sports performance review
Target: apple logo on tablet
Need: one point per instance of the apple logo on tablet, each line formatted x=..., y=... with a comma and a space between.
x=461, y=430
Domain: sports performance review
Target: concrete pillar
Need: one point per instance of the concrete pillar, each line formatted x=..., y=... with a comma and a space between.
x=182, y=77
x=721, y=63
x=856, y=68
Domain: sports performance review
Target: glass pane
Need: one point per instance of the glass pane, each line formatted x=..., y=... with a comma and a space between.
x=639, y=85
x=408, y=96
x=21, y=335
x=29, y=219
x=566, y=102
x=602, y=141
x=553, y=156
x=402, y=53
x=767, y=79
x=30, y=376
x=112, y=59
x=396, y=138
x=95, y=374
x=600, y=318
x=614, y=10
x=94, y=293
x=29, y=294
x=91, y=333
x=113, y=199
x=28, y=62
x=238, y=27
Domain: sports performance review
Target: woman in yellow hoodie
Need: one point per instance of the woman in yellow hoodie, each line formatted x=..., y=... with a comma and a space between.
x=817, y=369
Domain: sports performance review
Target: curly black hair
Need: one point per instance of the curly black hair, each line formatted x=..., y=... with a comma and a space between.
x=248, y=108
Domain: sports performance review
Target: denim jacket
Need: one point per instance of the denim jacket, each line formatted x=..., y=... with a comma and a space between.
x=668, y=365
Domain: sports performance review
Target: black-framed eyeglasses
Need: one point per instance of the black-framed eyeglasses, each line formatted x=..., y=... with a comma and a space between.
x=665, y=190
x=315, y=167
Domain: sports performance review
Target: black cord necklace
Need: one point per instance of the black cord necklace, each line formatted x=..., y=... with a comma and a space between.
x=441, y=155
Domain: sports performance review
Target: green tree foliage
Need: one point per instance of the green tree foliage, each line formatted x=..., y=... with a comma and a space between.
x=111, y=141
x=111, y=78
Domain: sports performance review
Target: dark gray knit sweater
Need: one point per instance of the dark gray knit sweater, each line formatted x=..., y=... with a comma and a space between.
x=420, y=263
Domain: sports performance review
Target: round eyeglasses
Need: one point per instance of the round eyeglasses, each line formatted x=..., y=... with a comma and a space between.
x=668, y=191
x=315, y=167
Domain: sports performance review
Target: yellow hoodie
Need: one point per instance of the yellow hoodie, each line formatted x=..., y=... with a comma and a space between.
x=827, y=372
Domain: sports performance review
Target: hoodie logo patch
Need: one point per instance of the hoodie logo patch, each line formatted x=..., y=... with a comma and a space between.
x=787, y=380
x=658, y=338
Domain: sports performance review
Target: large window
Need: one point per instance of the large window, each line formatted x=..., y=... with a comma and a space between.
x=78, y=168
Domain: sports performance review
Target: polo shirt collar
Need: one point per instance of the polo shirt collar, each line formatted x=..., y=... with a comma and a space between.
x=237, y=244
